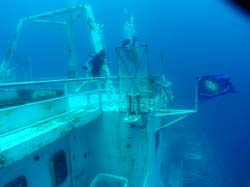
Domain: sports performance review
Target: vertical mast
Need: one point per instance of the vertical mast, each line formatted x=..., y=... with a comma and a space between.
x=96, y=30
x=72, y=66
x=5, y=65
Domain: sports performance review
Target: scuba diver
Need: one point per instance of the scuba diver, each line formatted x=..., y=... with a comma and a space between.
x=129, y=33
x=130, y=50
x=128, y=43
x=95, y=65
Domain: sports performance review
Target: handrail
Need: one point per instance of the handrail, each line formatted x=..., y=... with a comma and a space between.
x=15, y=84
x=74, y=87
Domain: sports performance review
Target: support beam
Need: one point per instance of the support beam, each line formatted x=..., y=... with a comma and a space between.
x=96, y=30
x=60, y=23
x=5, y=65
x=72, y=66
x=55, y=13
x=172, y=122
x=169, y=112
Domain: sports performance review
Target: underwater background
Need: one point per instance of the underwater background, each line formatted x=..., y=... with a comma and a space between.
x=194, y=37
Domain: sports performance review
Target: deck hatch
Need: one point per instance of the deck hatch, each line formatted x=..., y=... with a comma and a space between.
x=18, y=182
x=59, y=168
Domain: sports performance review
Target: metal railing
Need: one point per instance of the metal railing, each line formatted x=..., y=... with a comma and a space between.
x=101, y=86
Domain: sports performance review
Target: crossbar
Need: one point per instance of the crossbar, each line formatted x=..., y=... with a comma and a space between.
x=55, y=13
x=172, y=122
x=15, y=84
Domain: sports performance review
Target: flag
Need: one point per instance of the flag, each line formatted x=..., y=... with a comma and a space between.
x=210, y=86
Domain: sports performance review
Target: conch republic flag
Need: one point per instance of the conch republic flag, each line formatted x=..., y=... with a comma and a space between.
x=211, y=86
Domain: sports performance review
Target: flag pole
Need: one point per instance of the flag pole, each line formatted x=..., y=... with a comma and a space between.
x=196, y=96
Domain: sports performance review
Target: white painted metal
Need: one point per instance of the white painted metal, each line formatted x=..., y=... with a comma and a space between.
x=104, y=180
x=21, y=116
x=37, y=172
x=99, y=140
x=95, y=128
x=18, y=145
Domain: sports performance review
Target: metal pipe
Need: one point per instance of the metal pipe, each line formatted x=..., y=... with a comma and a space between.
x=130, y=111
x=95, y=29
x=172, y=122
x=138, y=104
x=72, y=65
x=7, y=85
x=4, y=68
x=196, y=97
x=55, y=13
x=174, y=113
x=60, y=23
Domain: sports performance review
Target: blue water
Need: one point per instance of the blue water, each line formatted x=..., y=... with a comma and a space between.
x=196, y=37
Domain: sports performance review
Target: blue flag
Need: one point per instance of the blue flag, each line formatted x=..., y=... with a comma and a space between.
x=210, y=86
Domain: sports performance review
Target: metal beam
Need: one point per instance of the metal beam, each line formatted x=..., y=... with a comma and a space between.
x=51, y=22
x=7, y=85
x=55, y=13
x=4, y=67
x=169, y=112
x=172, y=122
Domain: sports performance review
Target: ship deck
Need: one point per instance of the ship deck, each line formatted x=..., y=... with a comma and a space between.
x=22, y=142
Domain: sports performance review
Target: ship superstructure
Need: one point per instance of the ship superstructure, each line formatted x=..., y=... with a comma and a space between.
x=78, y=132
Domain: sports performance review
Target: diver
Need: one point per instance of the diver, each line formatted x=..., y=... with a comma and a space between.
x=96, y=65
x=129, y=43
x=130, y=50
